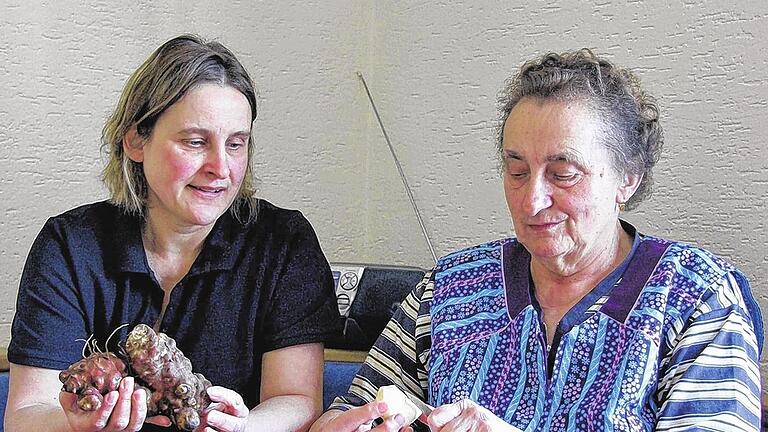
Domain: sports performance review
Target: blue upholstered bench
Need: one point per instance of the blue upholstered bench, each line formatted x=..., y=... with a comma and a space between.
x=3, y=396
x=340, y=368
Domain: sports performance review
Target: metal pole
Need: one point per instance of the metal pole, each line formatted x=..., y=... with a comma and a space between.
x=399, y=168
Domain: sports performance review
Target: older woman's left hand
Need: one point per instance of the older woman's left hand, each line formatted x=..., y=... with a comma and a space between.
x=466, y=416
x=227, y=413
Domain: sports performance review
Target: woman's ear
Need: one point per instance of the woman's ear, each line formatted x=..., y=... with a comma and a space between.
x=628, y=187
x=133, y=145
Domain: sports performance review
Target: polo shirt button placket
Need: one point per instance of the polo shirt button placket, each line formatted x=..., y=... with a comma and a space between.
x=169, y=308
x=168, y=313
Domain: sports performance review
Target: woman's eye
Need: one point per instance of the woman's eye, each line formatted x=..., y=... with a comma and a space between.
x=516, y=179
x=236, y=145
x=566, y=176
x=195, y=143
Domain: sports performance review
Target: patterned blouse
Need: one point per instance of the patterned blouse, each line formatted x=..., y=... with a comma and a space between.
x=670, y=341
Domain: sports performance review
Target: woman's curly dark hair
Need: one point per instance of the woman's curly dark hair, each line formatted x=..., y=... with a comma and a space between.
x=632, y=132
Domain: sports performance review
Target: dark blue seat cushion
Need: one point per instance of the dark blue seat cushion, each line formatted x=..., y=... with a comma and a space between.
x=337, y=378
x=3, y=396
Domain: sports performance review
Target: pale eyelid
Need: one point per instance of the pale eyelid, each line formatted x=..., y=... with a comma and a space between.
x=567, y=177
x=237, y=145
x=510, y=158
x=567, y=157
x=194, y=142
x=240, y=137
x=243, y=135
x=564, y=168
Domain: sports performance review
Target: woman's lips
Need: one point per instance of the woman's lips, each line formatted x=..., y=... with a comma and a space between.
x=207, y=190
x=544, y=226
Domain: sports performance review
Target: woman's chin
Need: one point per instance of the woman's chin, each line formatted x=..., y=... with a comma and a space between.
x=205, y=215
x=204, y=218
x=544, y=250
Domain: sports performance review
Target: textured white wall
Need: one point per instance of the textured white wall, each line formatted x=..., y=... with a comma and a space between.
x=435, y=68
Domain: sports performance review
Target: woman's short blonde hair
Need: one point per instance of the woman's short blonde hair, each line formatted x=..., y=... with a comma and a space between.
x=177, y=66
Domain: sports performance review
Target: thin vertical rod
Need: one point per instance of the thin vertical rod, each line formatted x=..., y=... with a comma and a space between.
x=399, y=168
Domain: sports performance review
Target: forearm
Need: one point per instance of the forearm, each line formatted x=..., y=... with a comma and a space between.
x=283, y=413
x=37, y=418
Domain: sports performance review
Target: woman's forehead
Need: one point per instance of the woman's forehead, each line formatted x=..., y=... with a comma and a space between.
x=562, y=126
x=210, y=103
x=554, y=131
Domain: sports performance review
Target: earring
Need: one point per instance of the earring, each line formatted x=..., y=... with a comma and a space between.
x=622, y=207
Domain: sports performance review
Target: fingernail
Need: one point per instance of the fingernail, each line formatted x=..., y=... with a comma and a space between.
x=399, y=419
x=381, y=407
x=140, y=395
x=213, y=414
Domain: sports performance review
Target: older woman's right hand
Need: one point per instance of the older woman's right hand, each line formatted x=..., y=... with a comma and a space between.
x=122, y=410
x=466, y=415
x=360, y=419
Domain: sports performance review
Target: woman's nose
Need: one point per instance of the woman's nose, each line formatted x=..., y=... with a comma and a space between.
x=538, y=196
x=217, y=161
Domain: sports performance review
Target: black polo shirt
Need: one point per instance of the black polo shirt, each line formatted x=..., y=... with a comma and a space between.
x=253, y=288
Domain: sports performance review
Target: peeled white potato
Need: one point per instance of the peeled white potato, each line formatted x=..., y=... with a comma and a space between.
x=397, y=403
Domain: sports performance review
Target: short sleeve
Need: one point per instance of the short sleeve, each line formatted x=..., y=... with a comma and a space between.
x=401, y=353
x=303, y=306
x=710, y=380
x=49, y=317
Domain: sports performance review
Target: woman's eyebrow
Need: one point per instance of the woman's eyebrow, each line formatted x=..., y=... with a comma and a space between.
x=204, y=131
x=194, y=130
x=567, y=156
x=511, y=154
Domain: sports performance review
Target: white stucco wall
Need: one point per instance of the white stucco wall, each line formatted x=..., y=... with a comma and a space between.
x=435, y=68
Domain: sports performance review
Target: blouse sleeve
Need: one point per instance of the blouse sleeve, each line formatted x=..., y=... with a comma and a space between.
x=710, y=380
x=401, y=353
x=49, y=317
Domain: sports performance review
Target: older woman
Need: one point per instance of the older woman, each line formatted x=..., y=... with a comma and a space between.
x=580, y=322
x=183, y=245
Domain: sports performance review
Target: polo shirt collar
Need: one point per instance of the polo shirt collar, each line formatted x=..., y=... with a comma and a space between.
x=128, y=250
x=219, y=249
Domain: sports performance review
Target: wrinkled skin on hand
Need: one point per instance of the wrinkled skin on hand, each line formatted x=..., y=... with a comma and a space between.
x=466, y=415
x=93, y=377
x=176, y=391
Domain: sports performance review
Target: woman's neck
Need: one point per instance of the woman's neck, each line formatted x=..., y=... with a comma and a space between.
x=561, y=286
x=171, y=250
x=168, y=240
